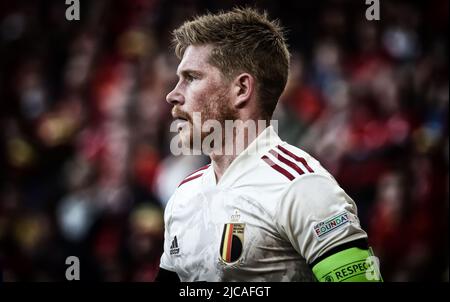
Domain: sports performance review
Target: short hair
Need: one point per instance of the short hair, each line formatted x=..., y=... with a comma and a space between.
x=243, y=40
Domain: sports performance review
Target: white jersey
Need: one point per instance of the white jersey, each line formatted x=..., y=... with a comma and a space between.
x=274, y=211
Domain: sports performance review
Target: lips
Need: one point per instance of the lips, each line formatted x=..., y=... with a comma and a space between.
x=178, y=115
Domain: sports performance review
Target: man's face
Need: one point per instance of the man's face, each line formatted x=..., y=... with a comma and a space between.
x=201, y=88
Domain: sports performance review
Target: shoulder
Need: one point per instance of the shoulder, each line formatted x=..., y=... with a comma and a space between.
x=278, y=169
x=289, y=163
x=301, y=178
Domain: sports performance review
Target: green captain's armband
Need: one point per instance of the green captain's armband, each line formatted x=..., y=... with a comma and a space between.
x=349, y=265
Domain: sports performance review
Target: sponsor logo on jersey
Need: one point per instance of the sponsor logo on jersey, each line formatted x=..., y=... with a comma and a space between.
x=232, y=242
x=174, y=249
x=327, y=226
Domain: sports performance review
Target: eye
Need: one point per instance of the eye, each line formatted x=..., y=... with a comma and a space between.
x=190, y=78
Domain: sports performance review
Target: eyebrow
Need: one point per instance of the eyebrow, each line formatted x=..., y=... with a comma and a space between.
x=186, y=72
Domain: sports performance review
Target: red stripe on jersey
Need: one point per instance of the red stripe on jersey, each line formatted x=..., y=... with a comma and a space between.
x=190, y=178
x=277, y=168
x=200, y=169
x=297, y=158
x=287, y=162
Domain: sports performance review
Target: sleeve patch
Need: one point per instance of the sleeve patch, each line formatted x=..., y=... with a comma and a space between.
x=327, y=226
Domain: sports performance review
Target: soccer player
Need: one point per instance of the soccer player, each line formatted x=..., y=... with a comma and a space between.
x=269, y=212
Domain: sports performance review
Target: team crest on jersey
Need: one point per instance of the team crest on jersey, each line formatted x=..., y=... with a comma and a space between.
x=232, y=242
x=236, y=216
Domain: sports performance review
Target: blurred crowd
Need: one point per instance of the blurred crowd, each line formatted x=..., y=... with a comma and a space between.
x=85, y=164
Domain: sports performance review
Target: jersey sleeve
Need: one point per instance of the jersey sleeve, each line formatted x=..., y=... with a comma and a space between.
x=317, y=216
x=166, y=259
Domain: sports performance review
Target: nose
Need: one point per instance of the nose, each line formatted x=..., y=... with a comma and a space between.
x=175, y=97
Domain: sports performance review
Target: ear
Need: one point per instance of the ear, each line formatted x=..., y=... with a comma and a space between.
x=243, y=89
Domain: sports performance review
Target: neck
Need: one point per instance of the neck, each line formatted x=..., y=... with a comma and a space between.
x=240, y=139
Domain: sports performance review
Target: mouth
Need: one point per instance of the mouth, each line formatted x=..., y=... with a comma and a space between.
x=180, y=121
x=179, y=116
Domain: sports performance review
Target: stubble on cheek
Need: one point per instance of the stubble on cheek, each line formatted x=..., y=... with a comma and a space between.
x=214, y=105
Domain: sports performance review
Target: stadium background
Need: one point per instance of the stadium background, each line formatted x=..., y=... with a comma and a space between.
x=85, y=165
